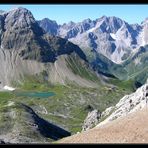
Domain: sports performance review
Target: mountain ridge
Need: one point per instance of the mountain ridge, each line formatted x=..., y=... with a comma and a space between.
x=26, y=49
x=111, y=38
x=73, y=31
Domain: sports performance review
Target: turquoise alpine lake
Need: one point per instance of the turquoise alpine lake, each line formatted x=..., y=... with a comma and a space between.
x=36, y=94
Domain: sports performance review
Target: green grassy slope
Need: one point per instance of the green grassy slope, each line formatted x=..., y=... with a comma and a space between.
x=69, y=107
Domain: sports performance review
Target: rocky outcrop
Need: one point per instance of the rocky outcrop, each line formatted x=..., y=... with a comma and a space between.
x=128, y=104
x=27, y=128
x=107, y=112
x=91, y=120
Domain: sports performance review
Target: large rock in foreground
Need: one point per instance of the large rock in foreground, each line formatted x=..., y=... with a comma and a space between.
x=91, y=120
x=128, y=104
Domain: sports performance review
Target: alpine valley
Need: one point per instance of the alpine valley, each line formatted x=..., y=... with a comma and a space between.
x=58, y=80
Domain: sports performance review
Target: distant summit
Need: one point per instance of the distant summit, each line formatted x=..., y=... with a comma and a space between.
x=110, y=36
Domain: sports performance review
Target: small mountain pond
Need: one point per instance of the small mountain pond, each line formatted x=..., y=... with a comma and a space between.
x=35, y=94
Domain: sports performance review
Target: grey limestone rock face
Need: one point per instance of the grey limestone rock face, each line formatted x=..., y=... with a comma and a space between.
x=128, y=104
x=91, y=120
x=49, y=26
x=20, y=31
x=19, y=26
x=114, y=39
x=110, y=36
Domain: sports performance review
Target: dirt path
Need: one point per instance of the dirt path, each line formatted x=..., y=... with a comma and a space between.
x=130, y=129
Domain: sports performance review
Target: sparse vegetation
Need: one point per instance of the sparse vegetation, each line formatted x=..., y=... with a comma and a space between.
x=68, y=107
x=81, y=69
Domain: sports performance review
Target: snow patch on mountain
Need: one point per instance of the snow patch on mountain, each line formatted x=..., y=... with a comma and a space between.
x=137, y=61
x=9, y=88
x=1, y=47
x=113, y=36
x=140, y=39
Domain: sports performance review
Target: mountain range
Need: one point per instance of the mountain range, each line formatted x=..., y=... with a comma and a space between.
x=107, y=41
x=108, y=45
x=110, y=36
x=88, y=66
x=27, y=50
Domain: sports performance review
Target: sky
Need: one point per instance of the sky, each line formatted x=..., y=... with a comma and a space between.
x=77, y=13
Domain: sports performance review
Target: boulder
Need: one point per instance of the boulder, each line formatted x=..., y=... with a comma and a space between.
x=91, y=119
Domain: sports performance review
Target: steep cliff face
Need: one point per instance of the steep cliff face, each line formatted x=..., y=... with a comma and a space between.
x=49, y=26
x=91, y=120
x=21, y=32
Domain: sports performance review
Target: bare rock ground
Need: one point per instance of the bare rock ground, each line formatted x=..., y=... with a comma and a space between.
x=132, y=128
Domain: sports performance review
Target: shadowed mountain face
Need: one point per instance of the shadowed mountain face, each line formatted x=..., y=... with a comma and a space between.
x=27, y=128
x=25, y=48
x=21, y=32
x=45, y=128
x=49, y=25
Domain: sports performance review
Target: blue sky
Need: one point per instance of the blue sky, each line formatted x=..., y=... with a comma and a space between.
x=65, y=13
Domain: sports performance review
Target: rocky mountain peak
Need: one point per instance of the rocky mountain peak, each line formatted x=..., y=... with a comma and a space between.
x=20, y=18
x=2, y=11
x=20, y=15
x=145, y=21
x=68, y=25
x=49, y=21
x=50, y=26
x=107, y=35
x=18, y=26
x=103, y=17
x=22, y=40
x=87, y=20
x=110, y=24
x=71, y=23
